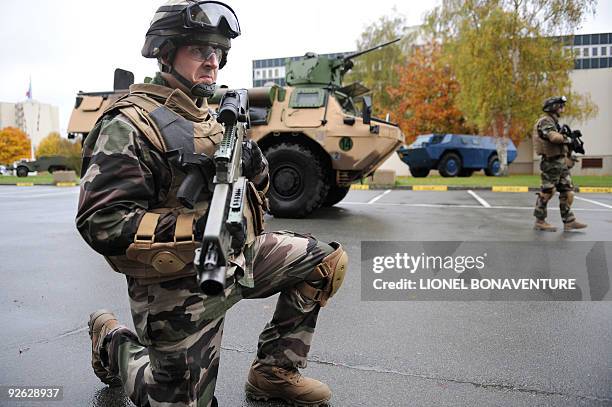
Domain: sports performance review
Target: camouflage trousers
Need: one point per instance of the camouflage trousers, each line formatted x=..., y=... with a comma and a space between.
x=555, y=174
x=174, y=360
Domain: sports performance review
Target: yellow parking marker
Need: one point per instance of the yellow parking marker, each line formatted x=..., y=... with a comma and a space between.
x=430, y=188
x=595, y=190
x=65, y=184
x=25, y=184
x=509, y=189
x=360, y=186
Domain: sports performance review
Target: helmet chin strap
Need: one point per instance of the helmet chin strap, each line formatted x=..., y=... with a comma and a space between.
x=200, y=90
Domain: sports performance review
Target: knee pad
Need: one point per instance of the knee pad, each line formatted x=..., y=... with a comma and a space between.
x=330, y=272
x=567, y=196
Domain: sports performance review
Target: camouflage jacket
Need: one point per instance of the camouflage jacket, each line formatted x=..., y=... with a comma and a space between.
x=125, y=176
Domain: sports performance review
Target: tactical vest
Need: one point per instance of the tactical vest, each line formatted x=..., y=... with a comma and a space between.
x=542, y=145
x=175, y=124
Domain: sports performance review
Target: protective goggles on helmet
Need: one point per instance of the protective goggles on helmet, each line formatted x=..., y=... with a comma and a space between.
x=213, y=15
x=204, y=52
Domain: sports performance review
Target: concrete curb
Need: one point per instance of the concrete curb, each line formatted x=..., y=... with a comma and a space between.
x=498, y=188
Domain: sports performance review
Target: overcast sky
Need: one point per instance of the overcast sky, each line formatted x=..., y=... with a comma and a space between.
x=71, y=45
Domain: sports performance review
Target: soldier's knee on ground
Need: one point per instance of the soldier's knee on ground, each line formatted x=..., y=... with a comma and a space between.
x=327, y=276
x=169, y=367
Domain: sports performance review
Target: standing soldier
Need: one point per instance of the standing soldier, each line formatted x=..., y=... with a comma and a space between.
x=552, y=146
x=129, y=212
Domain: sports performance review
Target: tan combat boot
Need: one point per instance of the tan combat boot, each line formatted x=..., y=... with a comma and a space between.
x=271, y=382
x=542, y=225
x=573, y=225
x=100, y=324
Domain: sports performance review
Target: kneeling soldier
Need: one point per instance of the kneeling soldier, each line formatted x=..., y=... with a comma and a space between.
x=129, y=212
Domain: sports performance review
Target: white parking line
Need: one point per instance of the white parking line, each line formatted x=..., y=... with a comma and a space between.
x=479, y=199
x=424, y=205
x=377, y=197
x=593, y=202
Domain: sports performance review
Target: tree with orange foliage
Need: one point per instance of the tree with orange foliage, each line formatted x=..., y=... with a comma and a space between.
x=426, y=96
x=14, y=145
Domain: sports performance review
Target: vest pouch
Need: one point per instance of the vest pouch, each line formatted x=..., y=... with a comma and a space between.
x=165, y=258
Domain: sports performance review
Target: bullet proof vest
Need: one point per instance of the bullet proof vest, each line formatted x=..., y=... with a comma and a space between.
x=177, y=123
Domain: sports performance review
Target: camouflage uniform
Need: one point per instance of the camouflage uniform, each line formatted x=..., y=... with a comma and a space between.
x=173, y=358
x=555, y=174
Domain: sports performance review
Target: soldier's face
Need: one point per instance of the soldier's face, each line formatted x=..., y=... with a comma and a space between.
x=191, y=66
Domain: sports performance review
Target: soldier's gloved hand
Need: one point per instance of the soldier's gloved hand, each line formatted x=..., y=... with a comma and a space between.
x=253, y=160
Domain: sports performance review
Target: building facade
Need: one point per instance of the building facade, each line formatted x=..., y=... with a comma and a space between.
x=36, y=119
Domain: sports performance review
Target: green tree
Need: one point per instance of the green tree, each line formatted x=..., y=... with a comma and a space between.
x=507, y=58
x=377, y=69
x=14, y=145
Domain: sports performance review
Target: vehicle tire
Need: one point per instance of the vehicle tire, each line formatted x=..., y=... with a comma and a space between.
x=450, y=165
x=466, y=172
x=297, y=180
x=493, y=166
x=419, y=172
x=335, y=194
x=22, y=171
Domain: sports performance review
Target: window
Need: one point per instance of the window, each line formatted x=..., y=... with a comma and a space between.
x=603, y=51
x=594, y=51
x=264, y=73
x=585, y=52
x=276, y=72
x=577, y=40
x=307, y=98
x=592, y=163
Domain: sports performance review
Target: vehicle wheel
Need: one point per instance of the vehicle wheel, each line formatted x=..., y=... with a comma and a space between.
x=493, y=166
x=22, y=171
x=466, y=172
x=336, y=194
x=450, y=165
x=297, y=180
x=419, y=172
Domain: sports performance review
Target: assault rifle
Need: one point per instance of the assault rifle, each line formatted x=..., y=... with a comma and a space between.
x=576, y=144
x=226, y=229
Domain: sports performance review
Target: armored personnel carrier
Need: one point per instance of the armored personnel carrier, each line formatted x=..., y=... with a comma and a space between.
x=317, y=141
x=454, y=155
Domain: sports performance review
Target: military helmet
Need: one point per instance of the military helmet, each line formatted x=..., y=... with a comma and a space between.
x=553, y=103
x=187, y=22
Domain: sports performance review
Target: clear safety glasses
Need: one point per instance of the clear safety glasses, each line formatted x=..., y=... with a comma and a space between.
x=204, y=52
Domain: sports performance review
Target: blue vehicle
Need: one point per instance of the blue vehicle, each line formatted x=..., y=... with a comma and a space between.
x=453, y=155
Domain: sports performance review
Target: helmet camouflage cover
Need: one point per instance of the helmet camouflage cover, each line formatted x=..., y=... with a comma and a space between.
x=553, y=103
x=186, y=22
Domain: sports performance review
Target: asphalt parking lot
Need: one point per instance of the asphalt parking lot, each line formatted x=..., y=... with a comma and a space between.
x=370, y=353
